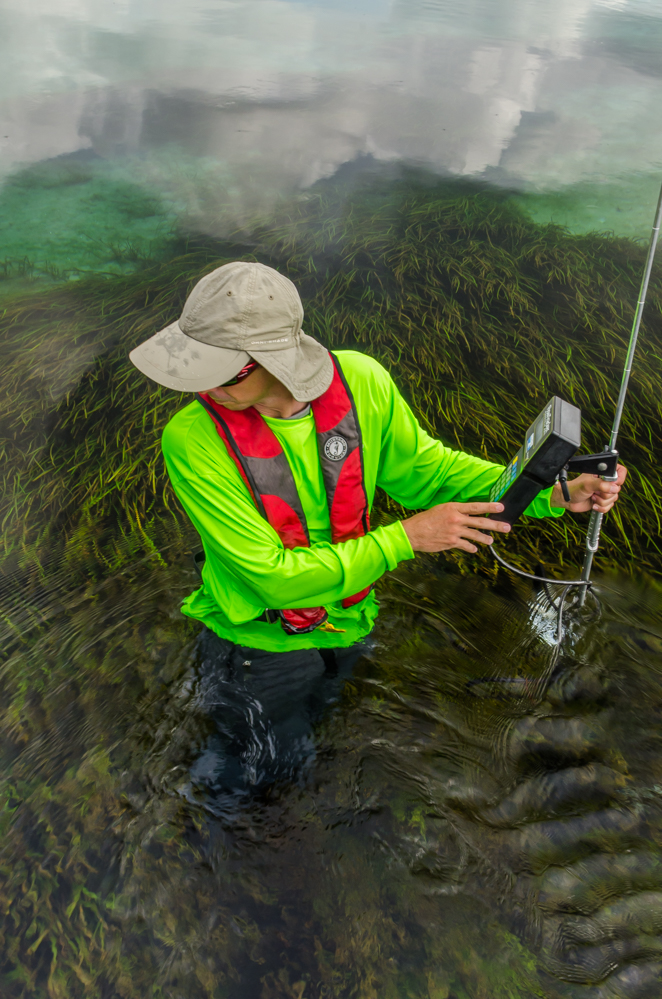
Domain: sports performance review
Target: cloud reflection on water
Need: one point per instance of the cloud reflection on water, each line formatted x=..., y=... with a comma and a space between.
x=271, y=96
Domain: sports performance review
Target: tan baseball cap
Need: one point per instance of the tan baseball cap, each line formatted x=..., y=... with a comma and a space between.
x=240, y=311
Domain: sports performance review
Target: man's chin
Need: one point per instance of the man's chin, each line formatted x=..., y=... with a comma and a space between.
x=231, y=404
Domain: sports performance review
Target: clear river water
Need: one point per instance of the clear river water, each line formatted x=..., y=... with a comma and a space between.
x=475, y=811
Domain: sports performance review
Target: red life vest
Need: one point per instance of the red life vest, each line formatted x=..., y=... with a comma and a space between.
x=262, y=463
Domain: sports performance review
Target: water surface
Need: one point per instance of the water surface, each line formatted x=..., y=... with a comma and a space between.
x=476, y=810
x=217, y=110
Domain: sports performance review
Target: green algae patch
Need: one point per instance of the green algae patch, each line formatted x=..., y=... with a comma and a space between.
x=479, y=313
x=69, y=217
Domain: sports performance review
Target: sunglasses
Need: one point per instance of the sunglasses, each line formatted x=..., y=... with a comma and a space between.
x=247, y=370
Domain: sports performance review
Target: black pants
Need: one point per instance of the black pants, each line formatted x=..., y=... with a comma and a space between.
x=260, y=709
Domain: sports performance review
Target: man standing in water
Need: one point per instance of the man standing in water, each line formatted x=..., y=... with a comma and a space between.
x=276, y=462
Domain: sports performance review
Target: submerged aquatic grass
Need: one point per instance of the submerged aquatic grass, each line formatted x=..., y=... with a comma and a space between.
x=479, y=313
x=111, y=883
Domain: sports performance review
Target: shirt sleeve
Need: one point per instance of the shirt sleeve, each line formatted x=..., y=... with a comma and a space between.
x=214, y=496
x=420, y=472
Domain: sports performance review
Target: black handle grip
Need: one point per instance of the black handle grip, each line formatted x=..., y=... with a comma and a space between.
x=603, y=463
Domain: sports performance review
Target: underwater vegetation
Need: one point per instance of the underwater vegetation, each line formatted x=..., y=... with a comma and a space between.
x=424, y=857
x=552, y=796
x=479, y=313
x=459, y=837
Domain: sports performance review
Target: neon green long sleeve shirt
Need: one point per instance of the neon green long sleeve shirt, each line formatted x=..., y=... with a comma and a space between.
x=247, y=569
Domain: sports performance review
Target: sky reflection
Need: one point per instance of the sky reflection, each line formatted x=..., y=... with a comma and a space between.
x=259, y=98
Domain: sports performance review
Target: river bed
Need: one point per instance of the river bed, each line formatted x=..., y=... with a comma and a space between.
x=461, y=191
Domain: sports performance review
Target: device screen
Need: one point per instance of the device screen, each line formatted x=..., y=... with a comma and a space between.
x=506, y=478
x=537, y=432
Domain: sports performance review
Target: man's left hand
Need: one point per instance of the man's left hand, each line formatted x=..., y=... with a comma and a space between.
x=589, y=492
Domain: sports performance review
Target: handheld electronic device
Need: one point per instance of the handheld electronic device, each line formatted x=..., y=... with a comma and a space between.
x=545, y=456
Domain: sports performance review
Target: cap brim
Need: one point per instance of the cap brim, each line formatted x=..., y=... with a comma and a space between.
x=179, y=362
x=306, y=369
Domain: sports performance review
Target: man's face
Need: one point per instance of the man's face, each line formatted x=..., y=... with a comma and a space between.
x=252, y=390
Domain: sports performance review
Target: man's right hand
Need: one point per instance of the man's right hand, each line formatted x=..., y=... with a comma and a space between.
x=453, y=525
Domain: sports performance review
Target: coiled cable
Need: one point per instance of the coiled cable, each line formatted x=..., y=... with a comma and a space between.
x=540, y=579
x=559, y=607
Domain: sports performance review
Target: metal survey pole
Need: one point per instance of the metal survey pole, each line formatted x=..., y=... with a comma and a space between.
x=595, y=524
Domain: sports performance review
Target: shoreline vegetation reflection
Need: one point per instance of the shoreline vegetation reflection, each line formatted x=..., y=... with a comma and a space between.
x=481, y=820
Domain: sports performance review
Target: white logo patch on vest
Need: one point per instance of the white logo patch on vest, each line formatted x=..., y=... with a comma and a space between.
x=335, y=448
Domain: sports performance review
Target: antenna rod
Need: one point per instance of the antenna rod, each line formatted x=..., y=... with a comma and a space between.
x=595, y=523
